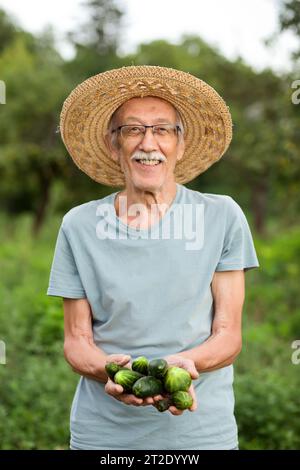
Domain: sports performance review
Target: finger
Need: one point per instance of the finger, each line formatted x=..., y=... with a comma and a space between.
x=113, y=389
x=158, y=397
x=175, y=411
x=127, y=365
x=193, y=371
x=130, y=399
x=191, y=368
x=187, y=364
x=120, y=359
x=149, y=401
x=194, y=397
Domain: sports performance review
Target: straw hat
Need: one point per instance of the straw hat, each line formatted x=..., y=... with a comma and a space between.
x=87, y=110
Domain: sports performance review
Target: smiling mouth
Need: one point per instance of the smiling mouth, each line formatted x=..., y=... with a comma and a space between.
x=149, y=162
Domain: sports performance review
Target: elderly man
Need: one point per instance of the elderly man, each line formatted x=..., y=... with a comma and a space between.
x=155, y=269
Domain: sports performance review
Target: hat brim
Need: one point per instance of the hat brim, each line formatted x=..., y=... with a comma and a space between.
x=87, y=111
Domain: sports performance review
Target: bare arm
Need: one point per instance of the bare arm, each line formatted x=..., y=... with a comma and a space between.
x=225, y=342
x=84, y=356
x=80, y=351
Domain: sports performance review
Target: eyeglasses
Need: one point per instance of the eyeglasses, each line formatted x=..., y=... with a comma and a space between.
x=136, y=132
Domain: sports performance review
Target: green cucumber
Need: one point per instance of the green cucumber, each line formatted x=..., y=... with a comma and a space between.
x=147, y=387
x=164, y=404
x=140, y=364
x=112, y=368
x=182, y=400
x=177, y=379
x=127, y=378
x=157, y=368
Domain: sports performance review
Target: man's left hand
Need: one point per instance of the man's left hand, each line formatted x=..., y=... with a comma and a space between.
x=189, y=365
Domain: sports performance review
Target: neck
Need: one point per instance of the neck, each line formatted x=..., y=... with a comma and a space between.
x=153, y=203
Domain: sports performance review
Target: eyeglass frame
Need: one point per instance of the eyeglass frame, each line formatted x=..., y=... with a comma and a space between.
x=176, y=127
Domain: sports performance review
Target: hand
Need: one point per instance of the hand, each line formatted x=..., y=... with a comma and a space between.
x=189, y=365
x=116, y=390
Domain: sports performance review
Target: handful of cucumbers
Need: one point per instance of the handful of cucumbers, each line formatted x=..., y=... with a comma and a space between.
x=147, y=379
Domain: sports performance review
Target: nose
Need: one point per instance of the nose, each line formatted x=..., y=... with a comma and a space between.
x=148, y=143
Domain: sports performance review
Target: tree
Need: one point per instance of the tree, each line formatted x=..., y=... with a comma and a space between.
x=96, y=41
x=31, y=155
x=7, y=30
x=101, y=32
x=289, y=19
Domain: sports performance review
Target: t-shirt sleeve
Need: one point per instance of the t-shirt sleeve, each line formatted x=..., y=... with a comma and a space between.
x=238, y=247
x=64, y=278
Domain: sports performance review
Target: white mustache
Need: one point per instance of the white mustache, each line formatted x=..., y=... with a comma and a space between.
x=139, y=155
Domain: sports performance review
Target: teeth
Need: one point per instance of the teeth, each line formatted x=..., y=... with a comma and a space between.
x=150, y=162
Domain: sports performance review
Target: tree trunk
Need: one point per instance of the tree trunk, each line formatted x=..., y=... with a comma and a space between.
x=45, y=184
x=259, y=200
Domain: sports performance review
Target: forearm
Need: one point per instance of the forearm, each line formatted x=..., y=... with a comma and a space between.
x=219, y=350
x=86, y=358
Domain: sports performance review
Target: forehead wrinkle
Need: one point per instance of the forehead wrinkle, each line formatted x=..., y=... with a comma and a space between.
x=158, y=120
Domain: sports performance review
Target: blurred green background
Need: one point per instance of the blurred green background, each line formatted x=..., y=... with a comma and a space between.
x=39, y=183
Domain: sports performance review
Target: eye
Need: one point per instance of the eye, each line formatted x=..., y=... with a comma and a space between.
x=161, y=130
x=133, y=130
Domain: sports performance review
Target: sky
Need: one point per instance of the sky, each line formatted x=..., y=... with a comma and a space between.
x=235, y=27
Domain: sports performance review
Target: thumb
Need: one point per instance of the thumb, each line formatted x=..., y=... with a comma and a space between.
x=120, y=359
x=191, y=368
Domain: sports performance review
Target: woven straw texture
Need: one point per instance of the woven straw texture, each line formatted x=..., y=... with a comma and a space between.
x=87, y=110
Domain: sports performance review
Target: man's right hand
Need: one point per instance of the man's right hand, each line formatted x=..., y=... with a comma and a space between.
x=116, y=390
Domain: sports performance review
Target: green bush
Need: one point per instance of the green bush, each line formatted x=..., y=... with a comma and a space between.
x=268, y=409
x=37, y=386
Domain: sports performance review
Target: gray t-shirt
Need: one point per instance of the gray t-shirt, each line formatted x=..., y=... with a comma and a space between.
x=150, y=294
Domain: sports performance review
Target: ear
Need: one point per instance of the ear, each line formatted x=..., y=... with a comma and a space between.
x=180, y=149
x=113, y=151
